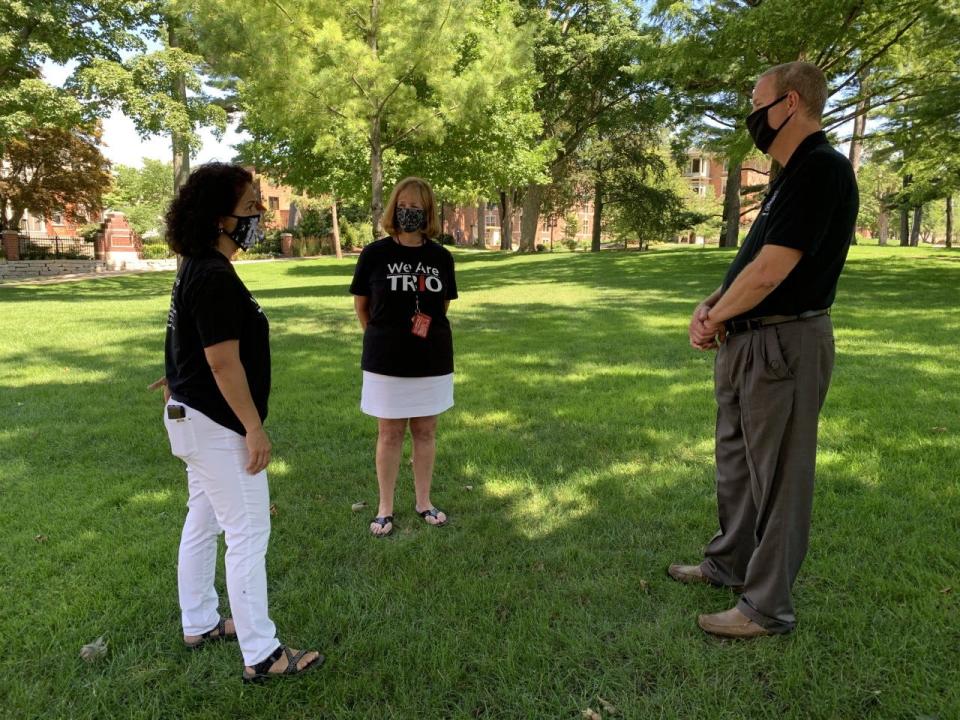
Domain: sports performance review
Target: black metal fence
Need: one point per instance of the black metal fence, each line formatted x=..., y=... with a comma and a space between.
x=34, y=247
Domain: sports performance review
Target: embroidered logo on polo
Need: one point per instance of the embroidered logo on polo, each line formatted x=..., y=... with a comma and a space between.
x=407, y=277
x=769, y=201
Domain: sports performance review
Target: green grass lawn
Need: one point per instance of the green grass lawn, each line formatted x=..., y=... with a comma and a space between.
x=583, y=424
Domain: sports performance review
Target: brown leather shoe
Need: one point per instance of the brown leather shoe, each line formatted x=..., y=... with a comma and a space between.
x=693, y=574
x=731, y=624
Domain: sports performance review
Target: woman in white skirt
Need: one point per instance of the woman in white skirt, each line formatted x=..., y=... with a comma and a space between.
x=402, y=287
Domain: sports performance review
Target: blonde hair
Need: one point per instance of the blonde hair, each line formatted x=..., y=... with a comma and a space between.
x=807, y=80
x=426, y=199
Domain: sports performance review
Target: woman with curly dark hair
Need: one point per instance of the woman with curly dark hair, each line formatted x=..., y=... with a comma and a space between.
x=216, y=387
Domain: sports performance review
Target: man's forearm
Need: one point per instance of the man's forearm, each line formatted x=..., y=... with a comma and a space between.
x=714, y=297
x=744, y=294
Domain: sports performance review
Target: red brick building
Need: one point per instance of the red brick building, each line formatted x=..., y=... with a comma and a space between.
x=460, y=221
x=58, y=224
x=276, y=198
x=708, y=173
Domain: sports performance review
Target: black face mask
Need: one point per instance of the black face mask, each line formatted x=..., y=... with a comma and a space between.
x=410, y=219
x=759, y=126
x=247, y=233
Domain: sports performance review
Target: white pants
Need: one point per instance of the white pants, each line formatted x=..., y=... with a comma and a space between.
x=223, y=497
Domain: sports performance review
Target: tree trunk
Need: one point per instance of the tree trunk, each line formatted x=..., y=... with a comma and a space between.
x=884, y=222
x=181, y=148
x=376, y=179
x=336, y=227
x=915, y=233
x=16, y=215
x=179, y=144
x=597, y=216
x=856, y=141
x=730, y=228
x=506, y=220
x=856, y=145
x=904, y=215
x=949, y=241
x=530, y=218
x=376, y=146
x=482, y=224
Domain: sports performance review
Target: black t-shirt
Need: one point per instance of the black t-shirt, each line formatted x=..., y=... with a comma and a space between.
x=811, y=206
x=394, y=277
x=209, y=305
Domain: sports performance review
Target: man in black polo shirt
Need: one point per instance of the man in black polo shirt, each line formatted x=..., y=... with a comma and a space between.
x=770, y=320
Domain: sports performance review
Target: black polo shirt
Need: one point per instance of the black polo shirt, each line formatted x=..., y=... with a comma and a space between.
x=209, y=305
x=811, y=206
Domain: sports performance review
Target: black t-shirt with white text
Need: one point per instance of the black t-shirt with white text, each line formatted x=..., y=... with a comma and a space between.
x=209, y=304
x=811, y=206
x=394, y=277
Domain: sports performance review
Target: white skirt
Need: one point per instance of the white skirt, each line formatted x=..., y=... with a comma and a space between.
x=395, y=398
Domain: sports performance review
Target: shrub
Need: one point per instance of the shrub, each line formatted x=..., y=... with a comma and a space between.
x=351, y=235
x=156, y=251
x=268, y=247
x=307, y=246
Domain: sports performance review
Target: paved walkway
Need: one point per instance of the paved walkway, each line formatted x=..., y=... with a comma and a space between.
x=76, y=277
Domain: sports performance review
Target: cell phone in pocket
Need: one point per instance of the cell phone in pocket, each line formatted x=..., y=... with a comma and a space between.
x=176, y=412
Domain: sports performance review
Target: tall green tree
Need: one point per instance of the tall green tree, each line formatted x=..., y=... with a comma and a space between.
x=717, y=48
x=623, y=145
x=161, y=89
x=59, y=31
x=348, y=72
x=592, y=59
x=142, y=194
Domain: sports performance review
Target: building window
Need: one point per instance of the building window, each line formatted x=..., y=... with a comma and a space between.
x=58, y=218
x=695, y=166
x=274, y=203
x=493, y=215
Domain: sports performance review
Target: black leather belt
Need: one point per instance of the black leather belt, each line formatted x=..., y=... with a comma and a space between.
x=735, y=326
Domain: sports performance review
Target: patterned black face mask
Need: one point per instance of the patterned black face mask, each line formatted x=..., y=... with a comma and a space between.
x=247, y=233
x=410, y=219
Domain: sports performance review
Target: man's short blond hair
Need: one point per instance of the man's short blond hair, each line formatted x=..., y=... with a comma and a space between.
x=807, y=80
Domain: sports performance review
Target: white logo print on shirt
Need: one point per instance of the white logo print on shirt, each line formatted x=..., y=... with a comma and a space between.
x=407, y=278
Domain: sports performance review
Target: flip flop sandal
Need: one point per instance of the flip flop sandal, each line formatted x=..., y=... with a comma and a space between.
x=435, y=514
x=382, y=521
x=216, y=634
x=261, y=671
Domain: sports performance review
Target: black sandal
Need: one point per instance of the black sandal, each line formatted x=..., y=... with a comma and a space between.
x=209, y=637
x=435, y=514
x=261, y=671
x=382, y=521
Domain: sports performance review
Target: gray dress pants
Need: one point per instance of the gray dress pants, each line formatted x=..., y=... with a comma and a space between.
x=770, y=384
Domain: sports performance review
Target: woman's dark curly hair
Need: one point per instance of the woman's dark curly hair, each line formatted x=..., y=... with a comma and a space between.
x=210, y=193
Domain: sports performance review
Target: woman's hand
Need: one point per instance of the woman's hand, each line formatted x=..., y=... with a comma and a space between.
x=161, y=383
x=258, y=450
